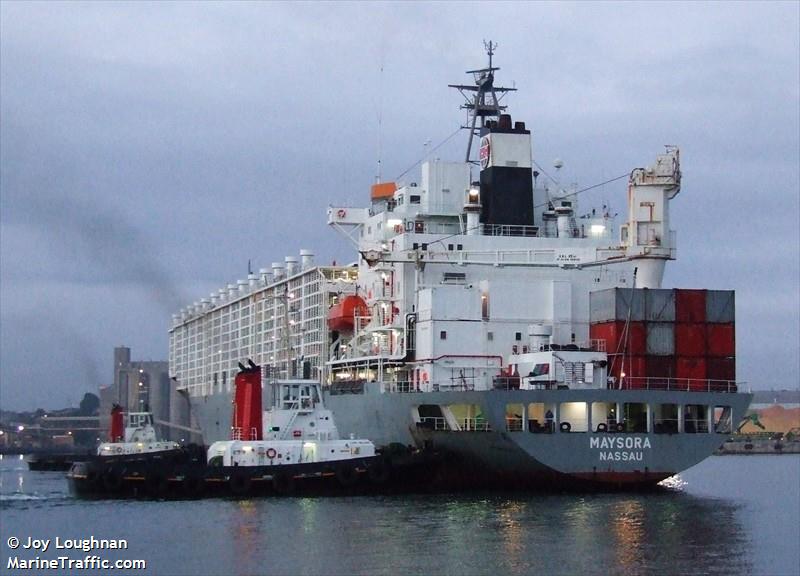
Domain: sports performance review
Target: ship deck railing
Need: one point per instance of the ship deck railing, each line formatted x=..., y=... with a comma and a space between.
x=440, y=424
x=675, y=384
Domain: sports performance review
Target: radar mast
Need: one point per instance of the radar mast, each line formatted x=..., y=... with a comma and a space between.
x=482, y=99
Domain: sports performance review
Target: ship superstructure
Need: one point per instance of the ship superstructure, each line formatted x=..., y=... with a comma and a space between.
x=477, y=320
x=276, y=317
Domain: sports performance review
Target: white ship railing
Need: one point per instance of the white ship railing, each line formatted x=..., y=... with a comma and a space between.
x=434, y=423
x=439, y=423
x=675, y=384
x=508, y=230
x=474, y=425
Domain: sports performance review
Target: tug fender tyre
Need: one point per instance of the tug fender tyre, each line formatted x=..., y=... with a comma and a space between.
x=193, y=486
x=283, y=483
x=379, y=471
x=156, y=484
x=112, y=480
x=346, y=475
x=239, y=483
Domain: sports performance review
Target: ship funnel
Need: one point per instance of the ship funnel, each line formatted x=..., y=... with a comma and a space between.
x=506, y=175
x=277, y=271
x=242, y=286
x=306, y=259
x=251, y=280
x=265, y=276
x=232, y=290
x=222, y=294
x=117, y=430
x=247, y=423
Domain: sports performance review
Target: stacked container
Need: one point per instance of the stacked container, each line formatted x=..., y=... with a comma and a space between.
x=683, y=334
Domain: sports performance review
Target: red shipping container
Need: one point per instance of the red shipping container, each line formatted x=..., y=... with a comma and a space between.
x=660, y=366
x=691, y=368
x=690, y=340
x=721, y=340
x=614, y=332
x=634, y=366
x=721, y=369
x=690, y=306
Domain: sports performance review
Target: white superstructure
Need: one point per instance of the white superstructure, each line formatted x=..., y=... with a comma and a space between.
x=276, y=317
x=451, y=299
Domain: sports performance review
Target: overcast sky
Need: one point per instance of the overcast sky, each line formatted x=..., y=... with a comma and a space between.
x=149, y=150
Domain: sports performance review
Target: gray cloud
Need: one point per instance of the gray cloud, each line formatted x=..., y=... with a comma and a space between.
x=148, y=151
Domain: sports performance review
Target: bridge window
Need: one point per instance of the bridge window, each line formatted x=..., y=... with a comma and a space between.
x=604, y=417
x=514, y=418
x=723, y=420
x=635, y=414
x=541, y=417
x=695, y=418
x=431, y=417
x=469, y=417
x=665, y=419
x=574, y=417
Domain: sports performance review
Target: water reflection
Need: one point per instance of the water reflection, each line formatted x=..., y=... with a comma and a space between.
x=626, y=521
x=513, y=533
x=245, y=535
x=665, y=532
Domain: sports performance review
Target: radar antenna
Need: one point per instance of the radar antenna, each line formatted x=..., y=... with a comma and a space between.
x=482, y=99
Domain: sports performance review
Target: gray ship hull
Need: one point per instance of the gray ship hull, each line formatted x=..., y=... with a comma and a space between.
x=496, y=455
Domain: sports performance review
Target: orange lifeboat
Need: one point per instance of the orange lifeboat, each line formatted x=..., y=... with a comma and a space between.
x=341, y=317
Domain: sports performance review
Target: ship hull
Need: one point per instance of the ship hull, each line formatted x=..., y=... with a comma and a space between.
x=496, y=456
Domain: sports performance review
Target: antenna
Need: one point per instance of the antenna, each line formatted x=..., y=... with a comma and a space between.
x=482, y=98
x=379, y=176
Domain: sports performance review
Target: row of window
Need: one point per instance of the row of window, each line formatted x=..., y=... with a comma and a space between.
x=575, y=417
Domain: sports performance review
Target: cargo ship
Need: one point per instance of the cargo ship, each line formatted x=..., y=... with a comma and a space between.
x=489, y=317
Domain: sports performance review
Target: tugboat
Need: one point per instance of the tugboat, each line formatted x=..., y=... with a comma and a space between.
x=293, y=445
x=139, y=436
x=296, y=439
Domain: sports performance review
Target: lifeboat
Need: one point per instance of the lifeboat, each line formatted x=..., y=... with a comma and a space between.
x=341, y=317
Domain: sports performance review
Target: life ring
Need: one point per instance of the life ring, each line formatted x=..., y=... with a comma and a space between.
x=565, y=427
x=346, y=475
x=271, y=453
x=602, y=427
x=378, y=471
x=119, y=450
x=239, y=483
x=620, y=427
x=341, y=213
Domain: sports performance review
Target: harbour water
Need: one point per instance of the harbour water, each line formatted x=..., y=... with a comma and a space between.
x=728, y=515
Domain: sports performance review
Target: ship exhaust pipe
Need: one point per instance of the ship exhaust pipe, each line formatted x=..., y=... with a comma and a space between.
x=117, y=428
x=247, y=416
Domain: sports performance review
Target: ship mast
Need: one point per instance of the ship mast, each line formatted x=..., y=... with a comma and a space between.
x=481, y=99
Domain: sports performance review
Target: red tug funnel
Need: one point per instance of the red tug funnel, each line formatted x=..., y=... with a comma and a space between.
x=247, y=414
x=117, y=429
